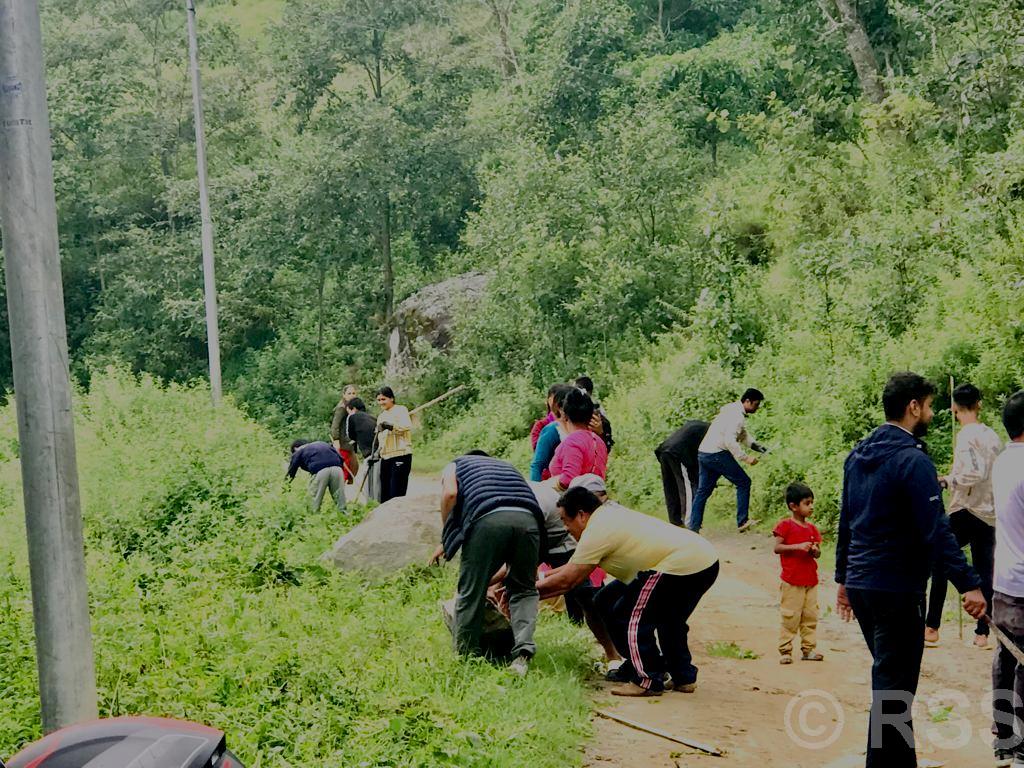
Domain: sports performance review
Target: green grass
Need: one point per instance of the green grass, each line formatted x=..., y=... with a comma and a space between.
x=730, y=650
x=429, y=464
x=209, y=604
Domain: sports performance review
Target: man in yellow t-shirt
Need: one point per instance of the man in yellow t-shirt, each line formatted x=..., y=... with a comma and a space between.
x=661, y=572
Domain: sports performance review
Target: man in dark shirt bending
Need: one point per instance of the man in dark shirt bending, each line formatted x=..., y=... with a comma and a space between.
x=680, y=470
x=323, y=462
x=892, y=527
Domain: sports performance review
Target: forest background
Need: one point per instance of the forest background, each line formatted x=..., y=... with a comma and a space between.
x=681, y=198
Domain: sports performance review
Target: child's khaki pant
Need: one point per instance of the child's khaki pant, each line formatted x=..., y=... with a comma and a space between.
x=799, y=606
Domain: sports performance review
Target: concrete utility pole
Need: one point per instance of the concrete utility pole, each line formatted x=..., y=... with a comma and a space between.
x=42, y=386
x=209, y=280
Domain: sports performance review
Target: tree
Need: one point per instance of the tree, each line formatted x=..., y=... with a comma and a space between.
x=858, y=45
x=501, y=13
x=689, y=21
x=580, y=51
x=384, y=129
x=712, y=87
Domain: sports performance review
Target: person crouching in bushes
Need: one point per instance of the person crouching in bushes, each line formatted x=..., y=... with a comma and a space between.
x=490, y=514
x=323, y=463
x=798, y=545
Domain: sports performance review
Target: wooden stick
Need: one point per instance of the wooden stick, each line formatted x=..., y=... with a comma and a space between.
x=436, y=400
x=656, y=732
x=1008, y=644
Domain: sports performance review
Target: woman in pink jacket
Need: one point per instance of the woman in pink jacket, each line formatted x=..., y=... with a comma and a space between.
x=581, y=452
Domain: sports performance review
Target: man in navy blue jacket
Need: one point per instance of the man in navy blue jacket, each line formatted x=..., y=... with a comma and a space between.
x=323, y=462
x=892, y=527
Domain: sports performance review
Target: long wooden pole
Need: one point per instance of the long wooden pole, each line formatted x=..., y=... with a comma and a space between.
x=715, y=751
x=1008, y=644
x=438, y=399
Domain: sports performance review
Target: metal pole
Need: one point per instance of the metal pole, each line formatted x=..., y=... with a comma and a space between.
x=209, y=279
x=42, y=386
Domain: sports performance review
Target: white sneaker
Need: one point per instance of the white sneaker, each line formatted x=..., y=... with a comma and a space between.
x=520, y=666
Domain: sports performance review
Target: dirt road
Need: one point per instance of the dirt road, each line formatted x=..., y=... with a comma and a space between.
x=741, y=704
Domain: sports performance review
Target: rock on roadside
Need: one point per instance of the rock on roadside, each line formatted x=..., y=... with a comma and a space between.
x=398, y=533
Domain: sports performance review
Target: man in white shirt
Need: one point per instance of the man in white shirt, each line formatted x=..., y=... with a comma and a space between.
x=972, y=514
x=1008, y=584
x=720, y=454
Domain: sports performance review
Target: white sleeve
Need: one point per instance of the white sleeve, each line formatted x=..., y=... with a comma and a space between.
x=969, y=464
x=732, y=430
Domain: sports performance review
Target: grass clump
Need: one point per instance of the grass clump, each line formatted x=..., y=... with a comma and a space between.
x=730, y=650
x=209, y=604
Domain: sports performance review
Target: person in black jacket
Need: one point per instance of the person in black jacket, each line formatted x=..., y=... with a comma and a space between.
x=680, y=470
x=489, y=512
x=323, y=462
x=892, y=527
x=360, y=426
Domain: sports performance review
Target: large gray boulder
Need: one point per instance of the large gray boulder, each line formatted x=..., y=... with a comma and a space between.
x=428, y=316
x=400, y=532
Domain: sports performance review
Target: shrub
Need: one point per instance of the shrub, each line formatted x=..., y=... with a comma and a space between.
x=208, y=603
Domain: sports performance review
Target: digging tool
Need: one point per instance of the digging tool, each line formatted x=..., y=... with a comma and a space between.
x=372, y=459
x=437, y=400
x=952, y=386
x=715, y=751
x=1008, y=644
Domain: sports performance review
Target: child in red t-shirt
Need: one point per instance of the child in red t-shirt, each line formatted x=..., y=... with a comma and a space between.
x=798, y=545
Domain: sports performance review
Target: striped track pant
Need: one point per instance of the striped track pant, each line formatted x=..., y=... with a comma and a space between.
x=648, y=620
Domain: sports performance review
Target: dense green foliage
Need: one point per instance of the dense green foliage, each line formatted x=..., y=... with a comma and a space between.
x=709, y=194
x=799, y=239
x=208, y=603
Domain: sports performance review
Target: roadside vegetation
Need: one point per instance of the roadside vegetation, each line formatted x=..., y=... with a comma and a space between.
x=209, y=604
